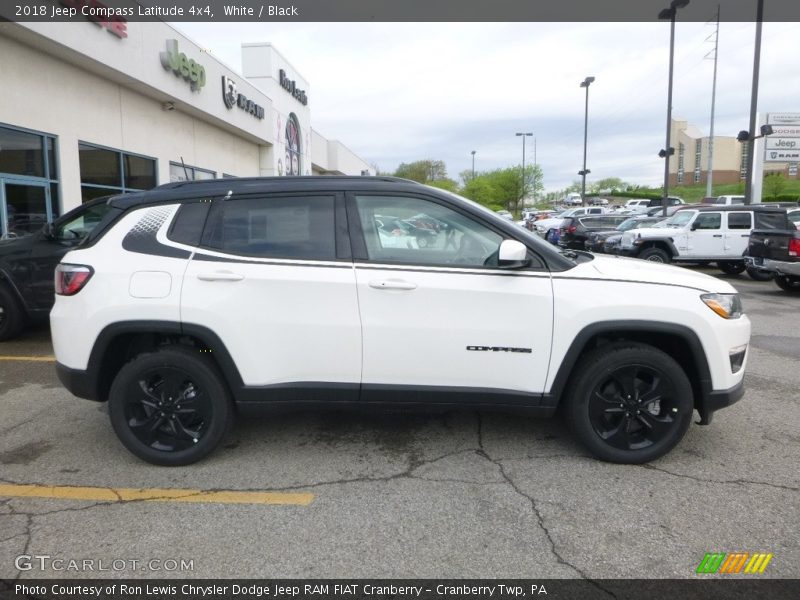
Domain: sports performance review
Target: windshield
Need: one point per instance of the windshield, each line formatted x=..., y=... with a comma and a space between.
x=680, y=218
x=627, y=224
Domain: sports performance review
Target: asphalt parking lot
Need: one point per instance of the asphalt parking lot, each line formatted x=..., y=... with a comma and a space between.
x=343, y=495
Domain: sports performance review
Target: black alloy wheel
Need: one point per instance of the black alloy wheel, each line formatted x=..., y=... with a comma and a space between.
x=170, y=407
x=630, y=403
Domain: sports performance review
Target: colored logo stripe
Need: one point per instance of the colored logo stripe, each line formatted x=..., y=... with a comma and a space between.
x=721, y=562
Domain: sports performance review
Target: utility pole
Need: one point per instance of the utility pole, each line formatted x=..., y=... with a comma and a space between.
x=710, y=173
x=751, y=143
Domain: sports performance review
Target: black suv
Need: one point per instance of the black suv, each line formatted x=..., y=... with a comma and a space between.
x=27, y=265
x=575, y=231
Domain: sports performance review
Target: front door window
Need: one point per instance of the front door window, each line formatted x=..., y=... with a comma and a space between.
x=26, y=208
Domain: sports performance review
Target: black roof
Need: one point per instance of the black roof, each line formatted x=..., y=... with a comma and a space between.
x=738, y=207
x=246, y=185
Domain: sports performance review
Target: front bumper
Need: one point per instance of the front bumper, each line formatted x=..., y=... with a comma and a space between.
x=780, y=267
x=717, y=400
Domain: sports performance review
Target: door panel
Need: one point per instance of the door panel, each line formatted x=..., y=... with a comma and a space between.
x=271, y=284
x=707, y=239
x=444, y=314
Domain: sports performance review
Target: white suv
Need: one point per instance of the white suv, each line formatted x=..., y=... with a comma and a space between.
x=198, y=300
x=706, y=233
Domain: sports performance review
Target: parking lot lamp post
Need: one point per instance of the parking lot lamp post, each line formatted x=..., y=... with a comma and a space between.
x=473, y=164
x=522, y=192
x=585, y=84
x=669, y=13
x=748, y=190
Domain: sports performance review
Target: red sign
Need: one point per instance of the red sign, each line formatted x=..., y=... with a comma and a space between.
x=100, y=14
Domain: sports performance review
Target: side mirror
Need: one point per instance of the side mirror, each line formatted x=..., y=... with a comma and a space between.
x=512, y=255
x=695, y=226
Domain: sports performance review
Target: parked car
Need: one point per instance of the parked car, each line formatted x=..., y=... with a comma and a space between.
x=659, y=210
x=199, y=300
x=573, y=199
x=574, y=231
x=704, y=233
x=776, y=251
x=506, y=215
x=596, y=240
x=728, y=200
x=28, y=261
x=548, y=227
x=403, y=227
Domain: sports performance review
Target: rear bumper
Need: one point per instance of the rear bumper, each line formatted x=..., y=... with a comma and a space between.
x=79, y=383
x=774, y=266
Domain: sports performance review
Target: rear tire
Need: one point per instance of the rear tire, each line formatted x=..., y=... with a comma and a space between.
x=170, y=407
x=629, y=403
x=731, y=267
x=788, y=283
x=759, y=274
x=12, y=316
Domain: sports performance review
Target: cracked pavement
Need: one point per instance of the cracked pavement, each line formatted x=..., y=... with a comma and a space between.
x=416, y=495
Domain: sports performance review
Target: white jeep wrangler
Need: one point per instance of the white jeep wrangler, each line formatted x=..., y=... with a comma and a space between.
x=704, y=234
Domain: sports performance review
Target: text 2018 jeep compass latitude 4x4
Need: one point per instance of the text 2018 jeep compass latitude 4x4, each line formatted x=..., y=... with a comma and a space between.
x=194, y=301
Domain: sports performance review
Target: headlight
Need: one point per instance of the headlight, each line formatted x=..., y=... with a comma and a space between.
x=727, y=306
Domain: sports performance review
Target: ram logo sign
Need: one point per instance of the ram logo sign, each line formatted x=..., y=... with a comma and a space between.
x=734, y=562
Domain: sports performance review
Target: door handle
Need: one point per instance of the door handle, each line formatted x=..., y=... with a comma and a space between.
x=717, y=235
x=745, y=235
x=392, y=284
x=220, y=276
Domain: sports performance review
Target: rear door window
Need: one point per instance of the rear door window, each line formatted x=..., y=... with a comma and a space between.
x=297, y=227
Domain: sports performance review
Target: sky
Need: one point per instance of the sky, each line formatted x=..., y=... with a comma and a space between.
x=400, y=92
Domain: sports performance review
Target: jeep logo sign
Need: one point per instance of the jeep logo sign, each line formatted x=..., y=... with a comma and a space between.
x=185, y=68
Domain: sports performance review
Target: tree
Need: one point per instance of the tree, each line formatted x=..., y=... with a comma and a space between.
x=774, y=184
x=423, y=171
x=444, y=184
x=609, y=184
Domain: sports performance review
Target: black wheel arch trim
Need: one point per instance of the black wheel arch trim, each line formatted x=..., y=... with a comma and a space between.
x=703, y=403
x=653, y=242
x=90, y=383
x=7, y=280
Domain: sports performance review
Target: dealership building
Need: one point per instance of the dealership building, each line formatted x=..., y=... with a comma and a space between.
x=93, y=108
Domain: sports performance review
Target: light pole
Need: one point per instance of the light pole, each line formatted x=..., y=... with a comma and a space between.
x=584, y=172
x=669, y=13
x=522, y=193
x=748, y=190
x=473, y=164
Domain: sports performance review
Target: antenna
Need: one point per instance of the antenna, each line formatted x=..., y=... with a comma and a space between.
x=185, y=171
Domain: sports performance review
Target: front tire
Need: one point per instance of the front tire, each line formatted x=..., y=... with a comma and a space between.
x=788, y=283
x=629, y=403
x=731, y=267
x=656, y=255
x=12, y=316
x=170, y=407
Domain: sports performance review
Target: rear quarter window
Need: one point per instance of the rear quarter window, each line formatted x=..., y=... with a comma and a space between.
x=772, y=220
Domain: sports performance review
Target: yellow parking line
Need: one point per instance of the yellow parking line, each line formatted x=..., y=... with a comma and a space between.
x=31, y=358
x=104, y=494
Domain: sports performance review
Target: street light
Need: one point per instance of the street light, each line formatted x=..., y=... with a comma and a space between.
x=473, y=164
x=748, y=190
x=669, y=13
x=584, y=172
x=524, y=135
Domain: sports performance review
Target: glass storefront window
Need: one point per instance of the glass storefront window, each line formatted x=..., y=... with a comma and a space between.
x=21, y=153
x=99, y=166
x=105, y=171
x=179, y=172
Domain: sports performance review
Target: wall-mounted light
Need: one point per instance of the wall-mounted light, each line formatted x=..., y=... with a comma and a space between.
x=168, y=106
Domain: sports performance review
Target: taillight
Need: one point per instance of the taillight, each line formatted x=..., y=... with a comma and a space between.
x=70, y=279
x=794, y=247
x=572, y=229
